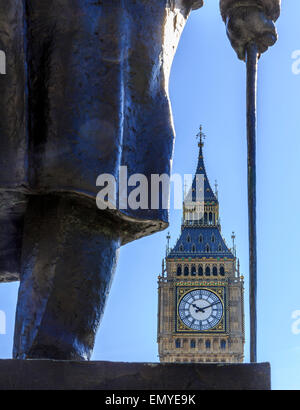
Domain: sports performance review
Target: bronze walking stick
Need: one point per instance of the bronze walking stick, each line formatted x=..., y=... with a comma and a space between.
x=251, y=61
x=251, y=30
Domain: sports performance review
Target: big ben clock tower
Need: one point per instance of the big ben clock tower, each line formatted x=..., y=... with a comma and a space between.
x=200, y=291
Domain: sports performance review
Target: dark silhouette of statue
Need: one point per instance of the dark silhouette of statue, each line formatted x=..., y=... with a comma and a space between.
x=86, y=91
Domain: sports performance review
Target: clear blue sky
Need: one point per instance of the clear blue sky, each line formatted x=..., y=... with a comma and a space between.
x=208, y=86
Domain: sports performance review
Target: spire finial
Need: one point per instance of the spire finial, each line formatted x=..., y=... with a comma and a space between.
x=201, y=136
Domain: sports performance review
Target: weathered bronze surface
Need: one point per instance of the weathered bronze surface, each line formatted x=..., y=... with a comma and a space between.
x=251, y=60
x=249, y=24
x=86, y=91
x=271, y=8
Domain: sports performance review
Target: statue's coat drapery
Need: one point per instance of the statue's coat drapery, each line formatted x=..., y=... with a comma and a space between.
x=86, y=91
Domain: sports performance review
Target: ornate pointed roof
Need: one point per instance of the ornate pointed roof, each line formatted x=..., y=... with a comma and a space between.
x=202, y=238
x=209, y=194
x=206, y=242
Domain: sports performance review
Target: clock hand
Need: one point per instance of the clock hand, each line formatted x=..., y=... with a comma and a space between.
x=216, y=303
x=198, y=308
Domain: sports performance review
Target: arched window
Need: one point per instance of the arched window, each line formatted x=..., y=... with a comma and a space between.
x=210, y=218
x=205, y=218
x=193, y=270
x=207, y=271
x=179, y=270
x=222, y=271
x=215, y=271
x=178, y=344
x=207, y=344
x=220, y=248
x=223, y=344
x=207, y=248
x=188, y=239
x=186, y=271
x=213, y=239
x=193, y=344
x=200, y=238
x=181, y=248
x=200, y=270
x=194, y=248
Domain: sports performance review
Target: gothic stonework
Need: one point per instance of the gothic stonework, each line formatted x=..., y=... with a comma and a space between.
x=201, y=291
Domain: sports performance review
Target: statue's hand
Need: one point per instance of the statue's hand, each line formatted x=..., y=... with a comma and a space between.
x=247, y=24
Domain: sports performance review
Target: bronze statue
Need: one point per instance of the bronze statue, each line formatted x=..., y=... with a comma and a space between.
x=86, y=91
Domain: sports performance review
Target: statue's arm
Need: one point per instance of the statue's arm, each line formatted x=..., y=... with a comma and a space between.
x=271, y=8
x=250, y=21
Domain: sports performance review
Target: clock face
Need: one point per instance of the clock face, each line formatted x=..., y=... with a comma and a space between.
x=200, y=309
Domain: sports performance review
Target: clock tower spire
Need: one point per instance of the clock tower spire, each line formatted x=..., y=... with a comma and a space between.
x=200, y=292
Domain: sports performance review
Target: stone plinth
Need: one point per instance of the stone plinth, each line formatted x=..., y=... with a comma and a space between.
x=57, y=375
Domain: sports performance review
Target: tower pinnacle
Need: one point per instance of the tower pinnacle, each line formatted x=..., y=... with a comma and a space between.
x=201, y=137
x=200, y=294
x=201, y=205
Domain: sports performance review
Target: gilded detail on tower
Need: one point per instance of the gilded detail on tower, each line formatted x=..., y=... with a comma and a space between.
x=200, y=291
